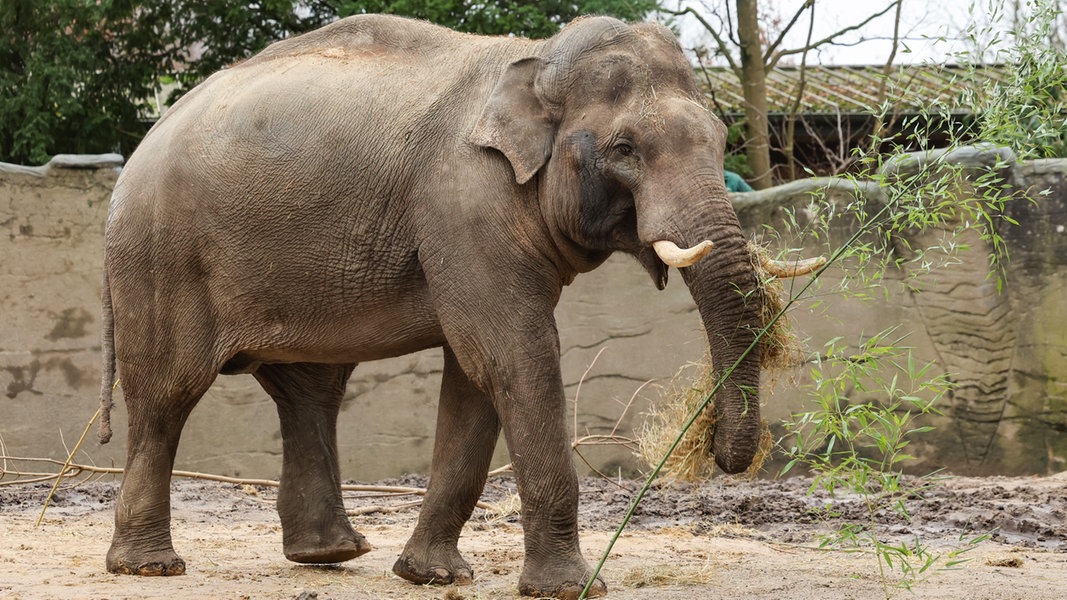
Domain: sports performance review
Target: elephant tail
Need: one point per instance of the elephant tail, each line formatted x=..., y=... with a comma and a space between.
x=107, y=384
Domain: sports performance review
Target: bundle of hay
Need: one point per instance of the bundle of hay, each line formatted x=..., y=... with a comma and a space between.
x=692, y=459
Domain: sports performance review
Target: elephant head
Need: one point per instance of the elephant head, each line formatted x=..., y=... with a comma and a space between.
x=608, y=123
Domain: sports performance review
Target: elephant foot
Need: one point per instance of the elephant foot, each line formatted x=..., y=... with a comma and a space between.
x=318, y=549
x=565, y=583
x=161, y=563
x=438, y=568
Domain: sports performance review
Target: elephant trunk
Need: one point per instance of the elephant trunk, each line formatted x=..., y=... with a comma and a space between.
x=725, y=287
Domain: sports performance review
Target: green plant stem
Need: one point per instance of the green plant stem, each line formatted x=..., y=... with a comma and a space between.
x=871, y=509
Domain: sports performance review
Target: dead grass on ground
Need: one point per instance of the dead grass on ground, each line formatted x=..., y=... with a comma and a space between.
x=668, y=575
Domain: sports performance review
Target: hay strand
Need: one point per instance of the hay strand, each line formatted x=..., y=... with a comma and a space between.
x=779, y=349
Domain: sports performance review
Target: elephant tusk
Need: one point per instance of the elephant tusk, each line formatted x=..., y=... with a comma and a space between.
x=795, y=268
x=671, y=254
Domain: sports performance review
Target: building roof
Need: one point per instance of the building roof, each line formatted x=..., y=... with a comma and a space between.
x=855, y=89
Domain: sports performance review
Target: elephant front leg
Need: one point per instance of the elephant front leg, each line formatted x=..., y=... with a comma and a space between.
x=467, y=430
x=496, y=311
x=536, y=432
x=315, y=528
x=527, y=392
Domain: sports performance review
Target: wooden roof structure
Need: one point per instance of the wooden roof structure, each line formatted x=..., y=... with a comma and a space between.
x=854, y=90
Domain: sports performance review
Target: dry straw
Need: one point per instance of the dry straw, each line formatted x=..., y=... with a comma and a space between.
x=693, y=459
x=663, y=575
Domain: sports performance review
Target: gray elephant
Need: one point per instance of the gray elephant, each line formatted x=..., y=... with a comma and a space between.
x=383, y=185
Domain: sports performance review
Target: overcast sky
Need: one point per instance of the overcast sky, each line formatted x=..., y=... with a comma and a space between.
x=933, y=31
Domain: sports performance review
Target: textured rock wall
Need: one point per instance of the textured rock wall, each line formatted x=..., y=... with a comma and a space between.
x=1033, y=424
x=1008, y=352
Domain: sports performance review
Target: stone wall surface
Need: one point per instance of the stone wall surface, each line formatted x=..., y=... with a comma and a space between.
x=1005, y=352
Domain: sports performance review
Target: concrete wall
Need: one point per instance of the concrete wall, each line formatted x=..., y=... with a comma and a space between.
x=1008, y=414
x=1004, y=351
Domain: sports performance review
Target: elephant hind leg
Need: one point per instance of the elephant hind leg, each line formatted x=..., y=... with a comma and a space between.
x=158, y=410
x=315, y=528
x=141, y=543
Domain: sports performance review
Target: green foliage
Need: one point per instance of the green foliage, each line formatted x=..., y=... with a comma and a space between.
x=859, y=448
x=1028, y=112
x=871, y=398
x=915, y=214
x=841, y=436
x=222, y=32
x=527, y=18
x=80, y=77
x=61, y=84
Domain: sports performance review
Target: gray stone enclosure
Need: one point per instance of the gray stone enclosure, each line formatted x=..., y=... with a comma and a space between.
x=1006, y=352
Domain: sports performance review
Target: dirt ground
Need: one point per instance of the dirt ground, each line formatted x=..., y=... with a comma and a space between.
x=724, y=539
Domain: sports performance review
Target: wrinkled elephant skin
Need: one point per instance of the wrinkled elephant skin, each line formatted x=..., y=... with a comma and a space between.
x=381, y=186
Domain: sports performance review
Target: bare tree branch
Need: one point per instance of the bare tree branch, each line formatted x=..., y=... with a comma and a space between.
x=781, y=35
x=791, y=124
x=830, y=39
x=838, y=158
x=728, y=22
x=880, y=123
x=752, y=55
x=723, y=48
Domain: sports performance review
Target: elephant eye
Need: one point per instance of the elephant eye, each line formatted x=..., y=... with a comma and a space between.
x=624, y=148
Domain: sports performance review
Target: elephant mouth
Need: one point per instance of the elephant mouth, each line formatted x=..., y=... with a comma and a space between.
x=658, y=257
x=656, y=268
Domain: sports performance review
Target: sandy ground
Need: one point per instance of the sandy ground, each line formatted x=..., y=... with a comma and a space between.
x=723, y=539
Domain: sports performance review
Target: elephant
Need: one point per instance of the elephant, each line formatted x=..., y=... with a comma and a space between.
x=383, y=185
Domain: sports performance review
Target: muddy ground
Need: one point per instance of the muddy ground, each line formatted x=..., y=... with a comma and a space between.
x=724, y=539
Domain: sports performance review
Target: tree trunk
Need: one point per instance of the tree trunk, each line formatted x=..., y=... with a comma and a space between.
x=754, y=84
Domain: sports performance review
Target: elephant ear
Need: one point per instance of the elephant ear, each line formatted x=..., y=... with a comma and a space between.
x=515, y=121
